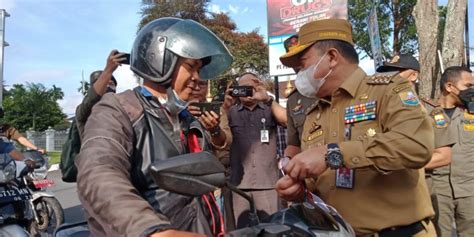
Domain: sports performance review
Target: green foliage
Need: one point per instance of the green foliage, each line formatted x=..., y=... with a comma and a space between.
x=248, y=48
x=395, y=21
x=33, y=106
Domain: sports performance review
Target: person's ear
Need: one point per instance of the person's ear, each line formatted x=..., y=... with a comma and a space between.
x=334, y=57
x=450, y=87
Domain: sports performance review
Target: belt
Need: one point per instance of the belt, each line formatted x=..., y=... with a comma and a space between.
x=407, y=230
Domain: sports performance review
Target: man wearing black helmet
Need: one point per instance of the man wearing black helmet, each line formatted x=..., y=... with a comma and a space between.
x=147, y=125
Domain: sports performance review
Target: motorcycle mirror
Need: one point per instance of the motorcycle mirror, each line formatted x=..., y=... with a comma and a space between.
x=35, y=156
x=191, y=174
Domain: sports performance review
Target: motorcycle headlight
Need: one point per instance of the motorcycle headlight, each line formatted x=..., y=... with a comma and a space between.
x=7, y=168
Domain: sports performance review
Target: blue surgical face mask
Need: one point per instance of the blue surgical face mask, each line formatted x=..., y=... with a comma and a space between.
x=174, y=104
x=306, y=84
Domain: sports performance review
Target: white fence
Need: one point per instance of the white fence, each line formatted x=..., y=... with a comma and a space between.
x=51, y=140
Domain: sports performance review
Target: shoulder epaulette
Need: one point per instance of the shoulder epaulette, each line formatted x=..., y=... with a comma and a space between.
x=381, y=78
x=291, y=92
x=430, y=102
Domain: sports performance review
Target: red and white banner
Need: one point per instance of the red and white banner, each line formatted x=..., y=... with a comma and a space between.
x=285, y=17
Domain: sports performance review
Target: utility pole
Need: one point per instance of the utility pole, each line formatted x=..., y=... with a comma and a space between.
x=466, y=35
x=3, y=15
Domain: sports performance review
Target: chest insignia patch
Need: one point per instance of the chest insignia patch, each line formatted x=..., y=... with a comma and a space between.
x=360, y=112
x=440, y=121
x=409, y=98
x=468, y=122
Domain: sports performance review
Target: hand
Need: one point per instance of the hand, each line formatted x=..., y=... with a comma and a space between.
x=42, y=151
x=260, y=91
x=113, y=61
x=307, y=164
x=209, y=120
x=174, y=233
x=228, y=99
x=194, y=110
x=290, y=189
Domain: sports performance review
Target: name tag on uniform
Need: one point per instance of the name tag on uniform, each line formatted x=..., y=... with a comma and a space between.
x=345, y=178
x=264, y=136
x=360, y=112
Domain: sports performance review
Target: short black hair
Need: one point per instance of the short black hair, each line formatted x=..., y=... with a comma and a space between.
x=453, y=75
x=345, y=49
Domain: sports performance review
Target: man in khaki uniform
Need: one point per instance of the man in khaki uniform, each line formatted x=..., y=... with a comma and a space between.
x=444, y=135
x=365, y=142
x=454, y=184
x=295, y=109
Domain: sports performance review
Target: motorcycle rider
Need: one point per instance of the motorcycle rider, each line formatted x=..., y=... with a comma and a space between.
x=127, y=132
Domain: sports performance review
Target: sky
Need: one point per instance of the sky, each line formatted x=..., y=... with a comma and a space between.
x=57, y=42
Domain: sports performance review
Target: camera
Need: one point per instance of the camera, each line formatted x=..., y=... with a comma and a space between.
x=242, y=91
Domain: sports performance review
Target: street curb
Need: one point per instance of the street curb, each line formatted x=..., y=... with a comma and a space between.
x=54, y=167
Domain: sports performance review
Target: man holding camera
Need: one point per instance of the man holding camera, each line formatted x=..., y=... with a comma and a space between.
x=253, y=161
x=101, y=82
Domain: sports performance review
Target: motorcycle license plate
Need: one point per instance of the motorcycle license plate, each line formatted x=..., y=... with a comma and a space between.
x=43, y=183
x=14, y=194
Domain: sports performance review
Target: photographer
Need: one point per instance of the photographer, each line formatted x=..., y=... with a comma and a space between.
x=101, y=82
x=253, y=154
x=216, y=123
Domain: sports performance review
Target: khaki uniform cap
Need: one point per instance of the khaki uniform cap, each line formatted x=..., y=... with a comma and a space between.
x=312, y=32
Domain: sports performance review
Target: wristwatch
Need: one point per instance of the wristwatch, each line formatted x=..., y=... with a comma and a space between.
x=269, y=101
x=334, y=158
x=215, y=131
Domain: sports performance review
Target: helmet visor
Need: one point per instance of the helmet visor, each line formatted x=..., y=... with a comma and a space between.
x=189, y=39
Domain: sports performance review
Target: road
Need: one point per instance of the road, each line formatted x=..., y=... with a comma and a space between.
x=66, y=193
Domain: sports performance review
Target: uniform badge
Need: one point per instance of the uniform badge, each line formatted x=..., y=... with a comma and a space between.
x=345, y=178
x=298, y=109
x=440, y=121
x=314, y=128
x=370, y=132
x=409, y=98
x=315, y=135
x=468, y=122
x=360, y=112
x=364, y=97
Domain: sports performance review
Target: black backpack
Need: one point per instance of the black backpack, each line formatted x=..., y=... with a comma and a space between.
x=71, y=148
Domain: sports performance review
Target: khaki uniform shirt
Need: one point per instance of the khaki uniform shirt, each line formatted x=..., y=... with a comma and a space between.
x=444, y=134
x=295, y=111
x=458, y=178
x=8, y=131
x=386, y=154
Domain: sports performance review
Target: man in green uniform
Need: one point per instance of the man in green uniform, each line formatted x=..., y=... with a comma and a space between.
x=444, y=135
x=295, y=109
x=454, y=184
x=364, y=142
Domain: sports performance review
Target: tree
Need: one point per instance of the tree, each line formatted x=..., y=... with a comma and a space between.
x=395, y=20
x=248, y=48
x=426, y=16
x=447, y=37
x=33, y=106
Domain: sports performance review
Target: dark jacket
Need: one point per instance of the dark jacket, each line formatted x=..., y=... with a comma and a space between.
x=84, y=109
x=123, y=136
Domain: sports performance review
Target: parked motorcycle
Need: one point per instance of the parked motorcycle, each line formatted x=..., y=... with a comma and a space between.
x=15, y=211
x=48, y=213
x=196, y=174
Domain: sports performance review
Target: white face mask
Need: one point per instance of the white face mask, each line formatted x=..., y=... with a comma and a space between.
x=306, y=84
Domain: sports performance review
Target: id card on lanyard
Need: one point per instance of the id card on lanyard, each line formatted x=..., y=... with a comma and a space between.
x=264, y=133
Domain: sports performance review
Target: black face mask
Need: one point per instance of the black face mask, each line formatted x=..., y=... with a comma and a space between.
x=467, y=99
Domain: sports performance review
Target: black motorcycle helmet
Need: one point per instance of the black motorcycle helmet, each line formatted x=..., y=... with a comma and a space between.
x=161, y=42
